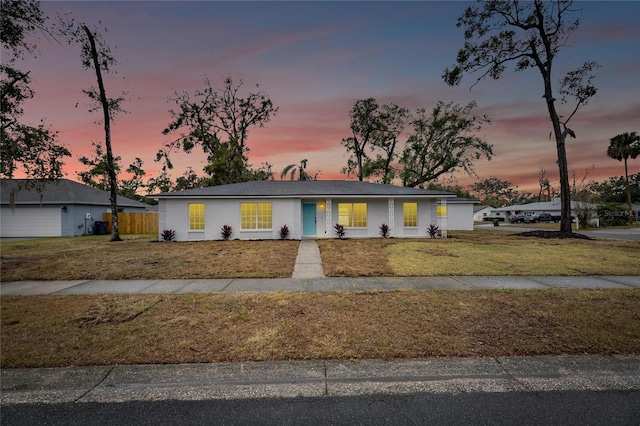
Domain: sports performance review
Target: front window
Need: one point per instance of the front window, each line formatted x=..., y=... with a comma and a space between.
x=352, y=215
x=255, y=215
x=196, y=216
x=410, y=211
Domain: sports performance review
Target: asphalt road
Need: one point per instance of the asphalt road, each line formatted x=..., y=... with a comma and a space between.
x=613, y=233
x=521, y=408
x=563, y=390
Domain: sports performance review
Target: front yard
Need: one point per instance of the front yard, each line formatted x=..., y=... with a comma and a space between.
x=138, y=257
x=48, y=331
x=480, y=252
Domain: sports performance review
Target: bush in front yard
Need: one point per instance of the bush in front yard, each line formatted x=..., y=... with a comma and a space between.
x=168, y=235
x=284, y=232
x=226, y=232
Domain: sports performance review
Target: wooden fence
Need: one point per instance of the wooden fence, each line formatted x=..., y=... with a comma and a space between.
x=134, y=223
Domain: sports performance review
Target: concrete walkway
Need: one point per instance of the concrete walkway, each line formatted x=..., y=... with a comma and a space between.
x=294, y=379
x=315, y=284
x=308, y=263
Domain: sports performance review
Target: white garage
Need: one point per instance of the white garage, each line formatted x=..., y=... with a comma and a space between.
x=30, y=222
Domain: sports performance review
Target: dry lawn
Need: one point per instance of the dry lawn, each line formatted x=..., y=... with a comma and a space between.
x=139, y=257
x=479, y=253
x=464, y=253
x=356, y=258
x=47, y=331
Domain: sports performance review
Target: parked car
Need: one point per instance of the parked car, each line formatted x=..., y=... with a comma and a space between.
x=517, y=218
x=548, y=217
x=534, y=218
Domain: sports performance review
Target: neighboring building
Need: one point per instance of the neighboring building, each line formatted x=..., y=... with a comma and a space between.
x=481, y=213
x=61, y=208
x=310, y=209
x=553, y=207
x=487, y=213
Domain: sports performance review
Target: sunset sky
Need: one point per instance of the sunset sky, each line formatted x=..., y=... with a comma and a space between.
x=314, y=60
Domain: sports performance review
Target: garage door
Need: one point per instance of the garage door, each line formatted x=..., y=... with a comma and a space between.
x=30, y=222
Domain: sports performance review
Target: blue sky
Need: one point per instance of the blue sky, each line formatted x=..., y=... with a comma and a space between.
x=315, y=59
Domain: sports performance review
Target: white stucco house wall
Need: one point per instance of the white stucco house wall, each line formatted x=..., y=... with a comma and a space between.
x=61, y=208
x=460, y=213
x=310, y=209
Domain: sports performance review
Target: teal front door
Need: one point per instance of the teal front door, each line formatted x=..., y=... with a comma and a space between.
x=308, y=219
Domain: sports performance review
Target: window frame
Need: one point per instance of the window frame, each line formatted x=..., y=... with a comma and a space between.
x=258, y=219
x=197, y=218
x=404, y=215
x=353, y=217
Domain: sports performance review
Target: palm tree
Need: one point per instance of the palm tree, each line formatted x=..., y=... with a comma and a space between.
x=302, y=174
x=621, y=148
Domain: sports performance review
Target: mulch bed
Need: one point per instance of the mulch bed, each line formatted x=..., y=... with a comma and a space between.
x=553, y=234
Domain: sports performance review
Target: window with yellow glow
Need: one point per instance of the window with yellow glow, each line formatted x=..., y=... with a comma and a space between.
x=196, y=216
x=410, y=211
x=255, y=216
x=352, y=215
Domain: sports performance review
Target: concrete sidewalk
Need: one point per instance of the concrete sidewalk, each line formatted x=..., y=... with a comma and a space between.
x=315, y=284
x=318, y=379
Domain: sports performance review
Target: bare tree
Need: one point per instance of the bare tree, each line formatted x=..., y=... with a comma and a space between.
x=218, y=121
x=439, y=143
x=99, y=61
x=529, y=34
x=96, y=55
x=393, y=121
x=365, y=123
x=583, y=196
x=443, y=142
x=545, y=185
x=496, y=192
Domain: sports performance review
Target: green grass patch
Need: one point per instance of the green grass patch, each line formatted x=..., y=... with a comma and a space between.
x=480, y=253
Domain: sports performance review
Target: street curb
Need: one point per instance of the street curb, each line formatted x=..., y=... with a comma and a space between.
x=289, y=379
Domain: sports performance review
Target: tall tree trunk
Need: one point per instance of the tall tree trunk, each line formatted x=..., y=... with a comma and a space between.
x=359, y=156
x=565, y=189
x=626, y=176
x=113, y=182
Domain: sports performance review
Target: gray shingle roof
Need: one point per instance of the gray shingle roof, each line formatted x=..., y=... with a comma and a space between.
x=63, y=191
x=461, y=200
x=313, y=188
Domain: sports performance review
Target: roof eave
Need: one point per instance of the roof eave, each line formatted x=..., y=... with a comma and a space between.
x=305, y=196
